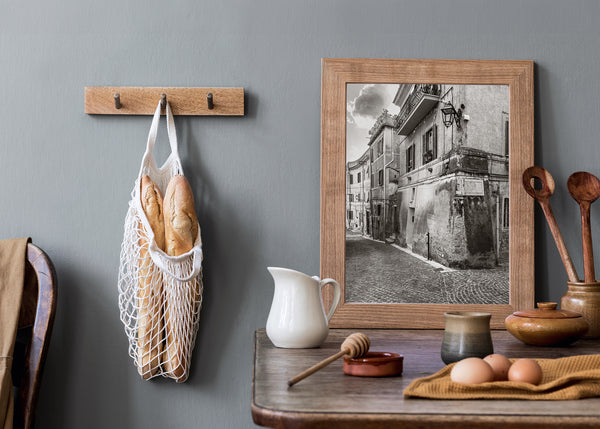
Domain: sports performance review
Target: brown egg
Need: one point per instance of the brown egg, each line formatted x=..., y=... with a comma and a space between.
x=525, y=370
x=500, y=365
x=471, y=371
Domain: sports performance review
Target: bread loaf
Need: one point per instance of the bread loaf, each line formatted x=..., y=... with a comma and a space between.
x=181, y=231
x=181, y=223
x=150, y=314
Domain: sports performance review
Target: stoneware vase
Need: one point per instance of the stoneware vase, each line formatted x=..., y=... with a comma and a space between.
x=466, y=334
x=584, y=298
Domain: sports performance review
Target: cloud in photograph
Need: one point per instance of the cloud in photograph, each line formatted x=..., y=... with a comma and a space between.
x=364, y=109
x=364, y=104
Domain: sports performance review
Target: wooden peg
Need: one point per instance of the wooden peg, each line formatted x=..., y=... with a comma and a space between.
x=117, y=100
x=355, y=345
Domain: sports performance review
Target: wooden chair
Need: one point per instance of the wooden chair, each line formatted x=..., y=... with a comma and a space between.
x=33, y=338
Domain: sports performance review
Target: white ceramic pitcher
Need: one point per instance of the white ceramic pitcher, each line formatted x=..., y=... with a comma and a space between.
x=297, y=318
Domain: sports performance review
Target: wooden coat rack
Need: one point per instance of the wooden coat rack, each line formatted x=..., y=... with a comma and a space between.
x=126, y=100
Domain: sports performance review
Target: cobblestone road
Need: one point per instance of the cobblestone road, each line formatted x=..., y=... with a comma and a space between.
x=379, y=273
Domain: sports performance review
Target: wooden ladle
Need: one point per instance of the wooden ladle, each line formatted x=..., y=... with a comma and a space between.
x=355, y=345
x=542, y=196
x=585, y=189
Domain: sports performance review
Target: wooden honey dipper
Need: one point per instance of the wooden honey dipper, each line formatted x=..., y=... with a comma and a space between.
x=355, y=345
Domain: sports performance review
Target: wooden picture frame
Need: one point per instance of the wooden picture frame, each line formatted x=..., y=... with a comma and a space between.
x=336, y=75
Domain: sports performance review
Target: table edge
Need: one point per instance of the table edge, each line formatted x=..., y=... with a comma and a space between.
x=281, y=419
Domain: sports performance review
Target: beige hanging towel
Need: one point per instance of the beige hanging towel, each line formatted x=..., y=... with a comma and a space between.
x=13, y=255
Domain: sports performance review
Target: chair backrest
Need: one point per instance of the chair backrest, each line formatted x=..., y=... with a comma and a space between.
x=41, y=269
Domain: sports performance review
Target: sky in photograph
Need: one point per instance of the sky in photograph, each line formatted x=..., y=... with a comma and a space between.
x=364, y=104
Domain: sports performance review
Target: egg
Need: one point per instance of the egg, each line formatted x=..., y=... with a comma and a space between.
x=525, y=370
x=471, y=371
x=500, y=365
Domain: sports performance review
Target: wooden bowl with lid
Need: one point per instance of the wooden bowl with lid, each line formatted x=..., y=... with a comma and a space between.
x=546, y=325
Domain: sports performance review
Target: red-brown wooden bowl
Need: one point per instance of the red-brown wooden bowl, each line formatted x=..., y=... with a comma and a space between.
x=374, y=364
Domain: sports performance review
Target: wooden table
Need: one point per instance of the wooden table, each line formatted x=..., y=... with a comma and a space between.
x=329, y=399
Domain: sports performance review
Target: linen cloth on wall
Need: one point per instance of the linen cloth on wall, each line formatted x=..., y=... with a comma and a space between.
x=13, y=255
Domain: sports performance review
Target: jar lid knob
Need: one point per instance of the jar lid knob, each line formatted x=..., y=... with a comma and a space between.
x=547, y=305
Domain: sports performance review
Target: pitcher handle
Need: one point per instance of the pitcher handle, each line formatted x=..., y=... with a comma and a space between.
x=337, y=294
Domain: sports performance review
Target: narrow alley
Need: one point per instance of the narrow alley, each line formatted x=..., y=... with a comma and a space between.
x=380, y=273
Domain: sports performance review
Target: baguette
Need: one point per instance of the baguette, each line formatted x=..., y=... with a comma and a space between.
x=149, y=293
x=181, y=231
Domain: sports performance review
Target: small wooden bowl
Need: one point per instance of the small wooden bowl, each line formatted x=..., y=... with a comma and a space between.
x=374, y=364
x=546, y=326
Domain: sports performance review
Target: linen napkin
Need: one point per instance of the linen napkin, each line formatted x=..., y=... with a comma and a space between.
x=572, y=377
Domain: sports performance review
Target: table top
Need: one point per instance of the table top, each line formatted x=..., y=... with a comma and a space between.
x=330, y=399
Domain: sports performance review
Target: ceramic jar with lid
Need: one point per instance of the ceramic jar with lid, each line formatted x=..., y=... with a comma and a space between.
x=546, y=326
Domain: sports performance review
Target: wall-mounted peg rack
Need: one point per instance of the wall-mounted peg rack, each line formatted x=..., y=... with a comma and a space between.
x=131, y=100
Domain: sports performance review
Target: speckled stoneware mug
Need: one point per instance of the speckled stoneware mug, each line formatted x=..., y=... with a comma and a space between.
x=466, y=334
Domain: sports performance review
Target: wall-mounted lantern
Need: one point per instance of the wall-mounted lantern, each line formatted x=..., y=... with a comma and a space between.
x=451, y=114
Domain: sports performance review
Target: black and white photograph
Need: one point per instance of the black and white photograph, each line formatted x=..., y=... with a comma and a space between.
x=427, y=193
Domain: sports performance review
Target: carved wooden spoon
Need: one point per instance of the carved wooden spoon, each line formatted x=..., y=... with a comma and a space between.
x=585, y=189
x=542, y=196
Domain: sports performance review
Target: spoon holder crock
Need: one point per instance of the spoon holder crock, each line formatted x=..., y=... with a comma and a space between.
x=584, y=298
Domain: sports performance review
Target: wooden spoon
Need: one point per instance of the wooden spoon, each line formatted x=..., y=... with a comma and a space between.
x=355, y=345
x=542, y=196
x=585, y=189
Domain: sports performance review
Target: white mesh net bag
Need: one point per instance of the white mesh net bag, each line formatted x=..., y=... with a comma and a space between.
x=159, y=295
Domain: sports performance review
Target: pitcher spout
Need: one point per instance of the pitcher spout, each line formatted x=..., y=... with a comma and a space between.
x=279, y=273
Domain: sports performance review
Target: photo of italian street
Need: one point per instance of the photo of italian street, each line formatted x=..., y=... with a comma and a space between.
x=427, y=205
x=408, y=278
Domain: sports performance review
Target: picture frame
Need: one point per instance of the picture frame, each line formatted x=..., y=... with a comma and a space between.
x=337, y=74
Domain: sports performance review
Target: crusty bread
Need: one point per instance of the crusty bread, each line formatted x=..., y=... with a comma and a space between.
x=150, y=321
x=181, y=223
x=181, y=231
x=152, y=203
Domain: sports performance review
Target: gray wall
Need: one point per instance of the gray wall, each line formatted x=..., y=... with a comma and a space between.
x=67, y=176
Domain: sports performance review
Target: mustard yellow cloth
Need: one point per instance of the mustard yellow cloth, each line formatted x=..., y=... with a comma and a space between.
x=12, y=276
x=571, y=377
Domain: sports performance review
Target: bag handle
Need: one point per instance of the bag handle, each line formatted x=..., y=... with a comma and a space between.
x=160, y=262
x=170, y=131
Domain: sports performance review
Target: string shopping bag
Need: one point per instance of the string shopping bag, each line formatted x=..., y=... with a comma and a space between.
x=160, y=296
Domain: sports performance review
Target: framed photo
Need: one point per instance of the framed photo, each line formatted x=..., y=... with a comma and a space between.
x=422, y=207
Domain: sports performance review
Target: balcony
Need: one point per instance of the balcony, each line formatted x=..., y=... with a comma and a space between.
x=417, y=105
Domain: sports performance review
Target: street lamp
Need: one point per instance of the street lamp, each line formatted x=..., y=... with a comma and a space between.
x=451, y=114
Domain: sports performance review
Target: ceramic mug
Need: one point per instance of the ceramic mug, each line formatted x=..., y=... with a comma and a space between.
x=466, y=334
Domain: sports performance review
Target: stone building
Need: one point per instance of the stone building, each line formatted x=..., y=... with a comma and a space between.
x=384, y=175
x=439, y=174
x=358, y=192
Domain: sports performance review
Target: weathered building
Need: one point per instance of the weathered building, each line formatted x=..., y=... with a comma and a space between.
x=384, y=175
x=358, y=183
x=452, y=194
